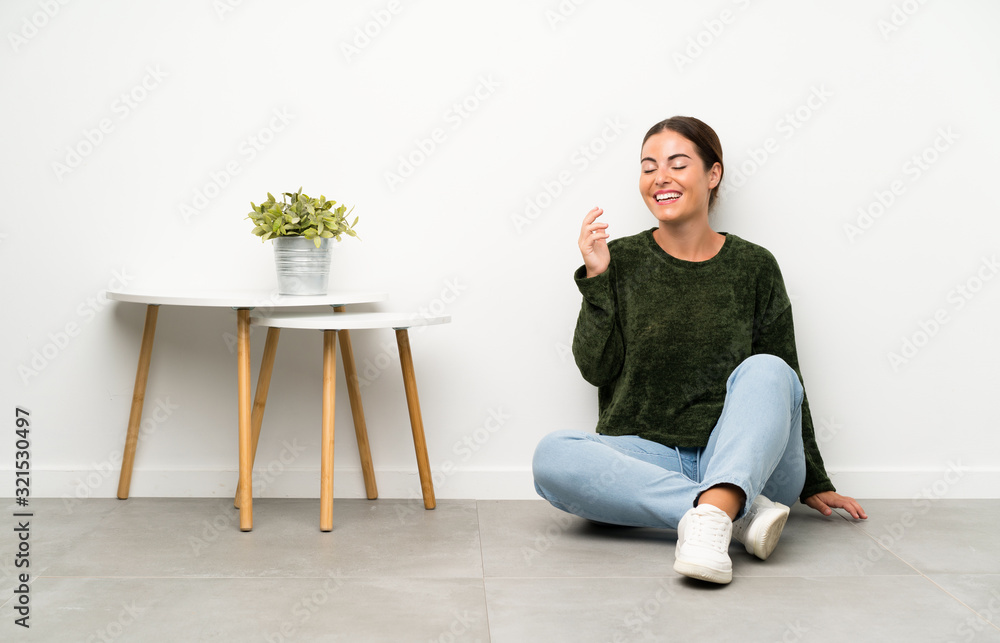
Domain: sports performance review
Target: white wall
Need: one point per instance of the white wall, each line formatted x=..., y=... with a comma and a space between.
x=869, y=86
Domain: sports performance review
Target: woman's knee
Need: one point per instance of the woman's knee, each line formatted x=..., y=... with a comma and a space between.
x=765, y=362
x=551, y=451
x=768, y=366
x=551, y=467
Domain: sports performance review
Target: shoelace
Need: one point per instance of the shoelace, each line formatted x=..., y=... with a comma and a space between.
x=709, y=529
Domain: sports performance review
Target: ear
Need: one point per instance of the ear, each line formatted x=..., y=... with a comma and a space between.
x=714, y=175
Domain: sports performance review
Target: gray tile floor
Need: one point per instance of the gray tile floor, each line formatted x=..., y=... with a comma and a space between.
x=504, y=571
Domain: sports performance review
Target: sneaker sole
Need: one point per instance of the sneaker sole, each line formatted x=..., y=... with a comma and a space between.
x=766, y=531
x=700, y=572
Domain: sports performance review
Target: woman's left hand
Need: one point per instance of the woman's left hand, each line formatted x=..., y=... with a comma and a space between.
x=825, y=501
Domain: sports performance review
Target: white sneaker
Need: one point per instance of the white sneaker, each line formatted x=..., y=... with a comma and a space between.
x=760, y=528
x=703, y=545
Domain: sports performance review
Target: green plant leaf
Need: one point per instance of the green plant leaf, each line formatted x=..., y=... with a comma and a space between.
x=298, y=214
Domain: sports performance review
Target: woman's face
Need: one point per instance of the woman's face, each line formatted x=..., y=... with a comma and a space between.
x=673, y=179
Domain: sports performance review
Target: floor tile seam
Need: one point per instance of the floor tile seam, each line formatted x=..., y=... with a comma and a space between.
x=574, y=578
x=257, y=578
x=826, y=576
x=856, y=525
x=961, y=602
x=676, y=575
x=482, y=562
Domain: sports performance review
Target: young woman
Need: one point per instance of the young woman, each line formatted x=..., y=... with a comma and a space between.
x=687, y=333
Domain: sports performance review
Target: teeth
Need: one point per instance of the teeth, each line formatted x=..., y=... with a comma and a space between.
x=667, y=197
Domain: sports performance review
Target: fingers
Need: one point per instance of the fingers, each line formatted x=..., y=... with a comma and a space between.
x=594, y=243
x=593, y=235
x=592, y=231
x=833, y=499
x=819, y=505
x=592, y=215
x=590, y=223
x=853, y=509
x=851, y=506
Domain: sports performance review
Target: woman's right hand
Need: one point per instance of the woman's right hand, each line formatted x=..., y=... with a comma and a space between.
x=594, y=243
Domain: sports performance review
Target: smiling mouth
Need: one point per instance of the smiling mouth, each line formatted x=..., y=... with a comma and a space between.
x=667, y=198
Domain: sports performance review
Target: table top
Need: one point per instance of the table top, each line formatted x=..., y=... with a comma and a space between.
x=244, y=298
x=347, y=320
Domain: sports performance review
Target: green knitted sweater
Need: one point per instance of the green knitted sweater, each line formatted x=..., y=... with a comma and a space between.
x=659, y=337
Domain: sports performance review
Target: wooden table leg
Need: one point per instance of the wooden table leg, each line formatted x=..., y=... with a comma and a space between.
x=354, y=394
x=260, y=398
x=243, y=395
x=138, y=397
x=416, y=423
x=326, y=452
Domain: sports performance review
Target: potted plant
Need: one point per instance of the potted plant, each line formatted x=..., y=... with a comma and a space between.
x=301, y=228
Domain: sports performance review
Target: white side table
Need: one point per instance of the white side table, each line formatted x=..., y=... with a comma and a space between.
x=342, y=323
x=242, y=302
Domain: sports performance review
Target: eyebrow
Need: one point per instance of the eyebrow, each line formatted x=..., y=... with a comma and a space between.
x=669, y=158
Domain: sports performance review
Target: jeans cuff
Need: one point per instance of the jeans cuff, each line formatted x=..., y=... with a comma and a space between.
x=742, y=484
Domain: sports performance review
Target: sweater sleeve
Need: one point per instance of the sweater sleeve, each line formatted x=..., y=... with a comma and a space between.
x=598, y=347
x=775, y=335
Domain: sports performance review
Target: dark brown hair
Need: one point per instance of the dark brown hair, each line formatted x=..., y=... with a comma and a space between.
x=704, y=138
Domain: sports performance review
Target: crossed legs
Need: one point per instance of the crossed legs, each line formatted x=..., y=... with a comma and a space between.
x=755, y=448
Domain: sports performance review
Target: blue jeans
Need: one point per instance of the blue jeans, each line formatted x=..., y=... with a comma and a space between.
x=626, y=480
